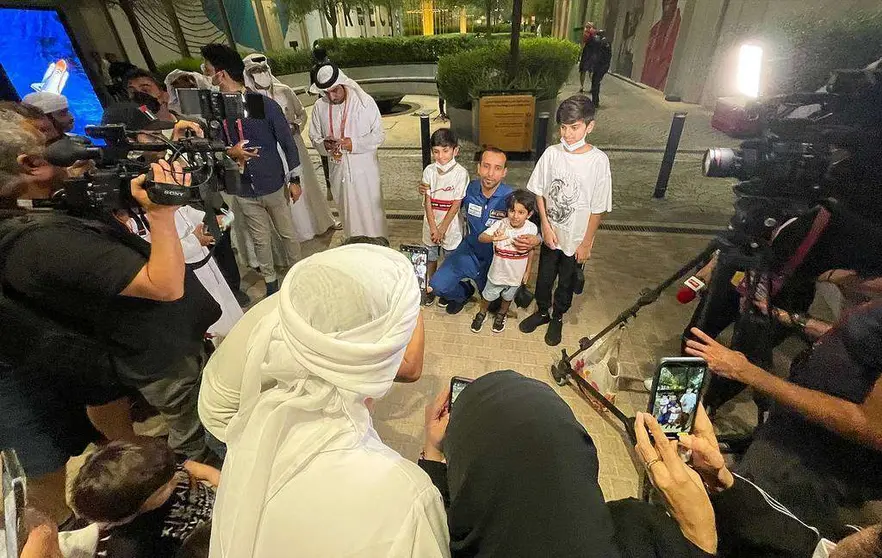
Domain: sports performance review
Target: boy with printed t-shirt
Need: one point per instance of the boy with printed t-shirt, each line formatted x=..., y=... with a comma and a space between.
x=510, y=267
x=446, y=180
x=574, y=188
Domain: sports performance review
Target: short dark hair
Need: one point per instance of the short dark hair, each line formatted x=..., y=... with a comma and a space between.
x=142, y=73
x=225, y=58
x=523, y=197
x=492, y=149
x=575, y=108
x=444, y=137
x=116, y=480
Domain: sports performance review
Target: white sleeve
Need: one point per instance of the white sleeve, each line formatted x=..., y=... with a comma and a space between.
x=537, y=181
x=494, y=227
x=462, y=184
x=428, y=174
x=371, y=135
x=601, y=193
x=315, y=131
x=424, y=532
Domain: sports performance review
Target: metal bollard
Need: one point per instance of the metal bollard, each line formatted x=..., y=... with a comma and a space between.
x=424, y=140
x=664, y=173
x=541, y=136
x=327, y=170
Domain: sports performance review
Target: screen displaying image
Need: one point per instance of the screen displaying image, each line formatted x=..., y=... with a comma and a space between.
x=455, y=389
x=677, y=395
x=38, y=55
x=419, y=258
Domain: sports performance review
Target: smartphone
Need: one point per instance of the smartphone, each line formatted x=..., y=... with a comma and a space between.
x=14, y=498
x=457, y=384
x=677, y=389
x=419, y=258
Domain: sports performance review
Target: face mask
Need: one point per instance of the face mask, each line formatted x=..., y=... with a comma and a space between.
x=578, y=145
x=446, y=166
x=823, y=549
x=262, y=79
x=146, y=100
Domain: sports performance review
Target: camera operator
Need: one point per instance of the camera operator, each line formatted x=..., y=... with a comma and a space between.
x=823, y=438
x=86, y=271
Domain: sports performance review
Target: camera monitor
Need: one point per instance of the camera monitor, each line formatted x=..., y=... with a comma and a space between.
x=38, y=53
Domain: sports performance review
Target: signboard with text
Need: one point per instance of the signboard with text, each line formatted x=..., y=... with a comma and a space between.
x=506, y=122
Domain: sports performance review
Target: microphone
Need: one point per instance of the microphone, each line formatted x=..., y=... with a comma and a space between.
x=690, y=289
x=64, y=153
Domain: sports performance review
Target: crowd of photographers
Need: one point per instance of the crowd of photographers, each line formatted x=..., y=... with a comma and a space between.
x=102, y=308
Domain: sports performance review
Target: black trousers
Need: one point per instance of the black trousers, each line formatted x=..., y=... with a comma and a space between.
x=596, y=78
x=554, y=264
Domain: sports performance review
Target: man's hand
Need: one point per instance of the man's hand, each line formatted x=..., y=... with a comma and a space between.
x=330, y=144
x=183, y=126
x=163, y=173
x=241, y=154
x=80, y=168
x=548, y=236
x=722, y=360
x=204, y=238
x=295, y=191
x=707, y=459
x=423, y=188
x=583, y=253
x=680, y=486
x=437, y=417
x=346, y=144
x=526, y=242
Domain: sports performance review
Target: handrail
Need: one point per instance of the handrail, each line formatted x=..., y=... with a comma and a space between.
x=301, y=89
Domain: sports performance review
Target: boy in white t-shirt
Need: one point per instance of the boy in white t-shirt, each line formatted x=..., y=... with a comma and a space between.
x=447, y=181
x=510, y=267
x=574, y=188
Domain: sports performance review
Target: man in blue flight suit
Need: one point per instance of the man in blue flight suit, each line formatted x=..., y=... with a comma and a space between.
x=484, y=204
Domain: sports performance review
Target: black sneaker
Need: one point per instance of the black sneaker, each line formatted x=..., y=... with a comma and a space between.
x=429, y=299
x=534, y=320
x=499, y=323
x=555, y=328
x=495, y=306
x=455, y=307
x=478, y=322
x=442, y=302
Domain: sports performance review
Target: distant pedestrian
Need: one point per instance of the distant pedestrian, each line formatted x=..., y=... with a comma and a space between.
x=596, y=58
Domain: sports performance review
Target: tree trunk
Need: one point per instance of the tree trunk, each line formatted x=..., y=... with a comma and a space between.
x=129, y=10
x=183, y=48
x=391, y=18
x=331, y=16
x=225, y=22
x=489, y=15
x=515, y=52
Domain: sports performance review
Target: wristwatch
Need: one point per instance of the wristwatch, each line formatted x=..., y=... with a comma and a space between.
x=799, y=320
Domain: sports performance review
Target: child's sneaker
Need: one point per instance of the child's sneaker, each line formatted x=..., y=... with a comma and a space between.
x=429, y=299
x=499, y=323
x=478, y=322
x=442, y=302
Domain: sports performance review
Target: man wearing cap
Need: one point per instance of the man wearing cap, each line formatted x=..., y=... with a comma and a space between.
x=55, y=106
x=267, y=189
x=346, y=127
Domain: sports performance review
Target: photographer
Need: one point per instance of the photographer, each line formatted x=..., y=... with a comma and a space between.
x=85, y=272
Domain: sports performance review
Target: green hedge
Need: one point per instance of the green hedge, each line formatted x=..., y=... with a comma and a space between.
x=805, y=49
x=545, y=65
x=188, y=64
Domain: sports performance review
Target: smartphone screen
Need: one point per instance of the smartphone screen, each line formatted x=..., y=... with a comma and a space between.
x=457, y=384
x=13, y=484
x=419, y=258
x=677, y=389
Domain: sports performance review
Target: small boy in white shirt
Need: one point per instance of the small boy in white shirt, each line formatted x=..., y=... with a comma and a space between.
x=446, y=181
x=510, y=267
x=574, y=188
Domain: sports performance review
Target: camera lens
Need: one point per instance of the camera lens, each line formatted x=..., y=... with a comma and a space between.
x=720, y=162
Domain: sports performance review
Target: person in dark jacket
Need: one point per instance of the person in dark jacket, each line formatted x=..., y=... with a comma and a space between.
x=596, y=58
x=267, y=189
x=524, y=483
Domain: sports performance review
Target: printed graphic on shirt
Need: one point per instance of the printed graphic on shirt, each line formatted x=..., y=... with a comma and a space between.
x=562, y=197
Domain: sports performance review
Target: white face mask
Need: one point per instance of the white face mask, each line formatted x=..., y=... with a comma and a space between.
x=823, y=549
x=576, y=146
x=446, y=166
x=262, y=79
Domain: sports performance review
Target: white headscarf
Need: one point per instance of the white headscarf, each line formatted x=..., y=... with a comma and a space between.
x=325, y=74
x=174, y=103
x=338, y=335
x=260, y=79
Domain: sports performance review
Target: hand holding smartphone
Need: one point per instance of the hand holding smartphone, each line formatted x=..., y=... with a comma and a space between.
x=457, y=384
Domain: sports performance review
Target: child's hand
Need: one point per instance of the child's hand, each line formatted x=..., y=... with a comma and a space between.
x=436, y=235
x=499, y=235
x=442, y=228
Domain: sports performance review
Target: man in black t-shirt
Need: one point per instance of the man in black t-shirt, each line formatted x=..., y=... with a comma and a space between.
x=134, y=301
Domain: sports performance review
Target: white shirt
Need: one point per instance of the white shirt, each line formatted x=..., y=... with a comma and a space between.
x=574, y=186
x=444, y=189
x=509, y=264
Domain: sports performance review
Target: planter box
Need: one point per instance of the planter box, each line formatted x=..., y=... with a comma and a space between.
x=464, y=122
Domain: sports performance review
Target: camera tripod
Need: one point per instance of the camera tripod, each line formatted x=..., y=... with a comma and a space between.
x=563, y=372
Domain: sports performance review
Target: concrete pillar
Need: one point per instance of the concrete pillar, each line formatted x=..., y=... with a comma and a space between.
x=428, y=18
